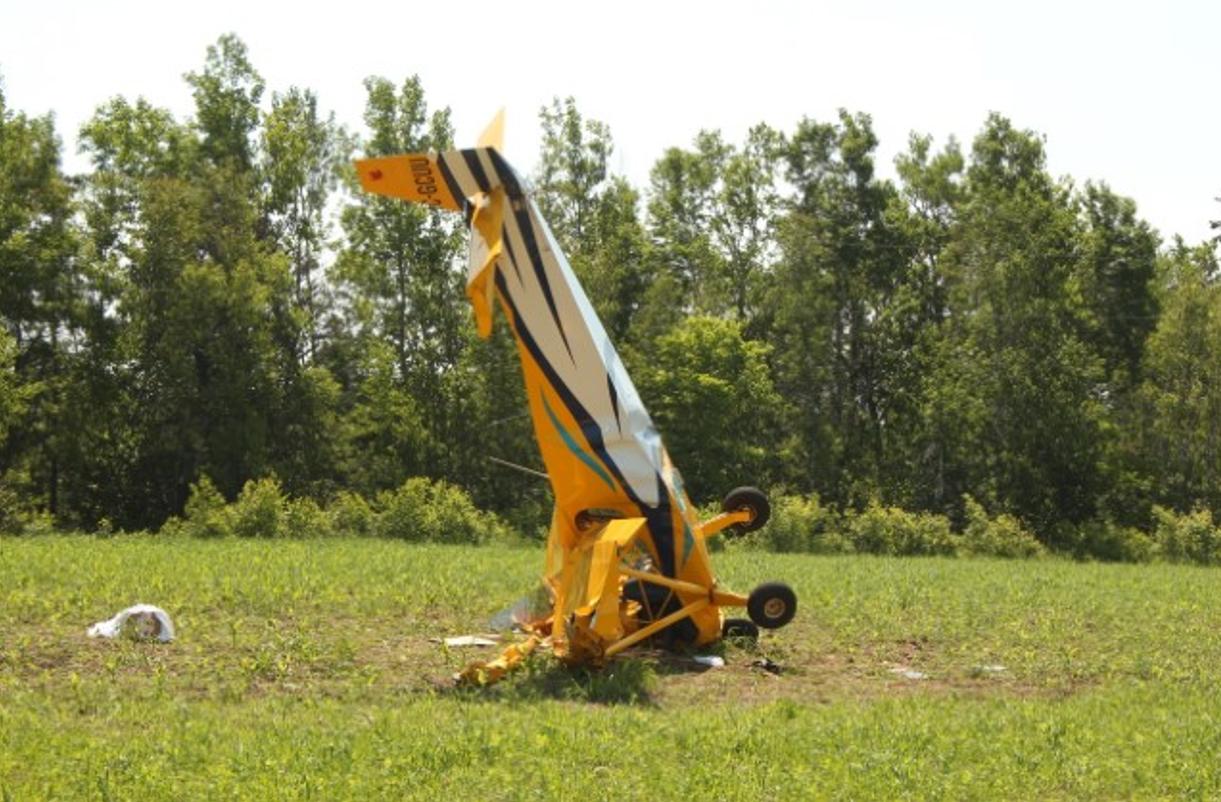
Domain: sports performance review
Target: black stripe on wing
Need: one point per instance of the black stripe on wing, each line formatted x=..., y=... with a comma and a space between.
x=614, y=398
x=521, y=217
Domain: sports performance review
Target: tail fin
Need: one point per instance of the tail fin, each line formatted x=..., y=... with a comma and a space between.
x=494, y=135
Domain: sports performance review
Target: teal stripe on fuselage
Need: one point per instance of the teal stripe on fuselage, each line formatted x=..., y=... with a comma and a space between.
x=576, y=449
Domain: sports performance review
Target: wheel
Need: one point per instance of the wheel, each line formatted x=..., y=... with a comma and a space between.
x=772, y=605
x=658, y=602
x=739, y=628
x=752, y=500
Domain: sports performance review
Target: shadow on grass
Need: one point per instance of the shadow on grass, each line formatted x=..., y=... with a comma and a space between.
x=629, y=680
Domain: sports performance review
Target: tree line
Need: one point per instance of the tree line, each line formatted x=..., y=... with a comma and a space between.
x=214, y=298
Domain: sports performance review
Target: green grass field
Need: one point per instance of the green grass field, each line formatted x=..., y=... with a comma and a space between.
x=305, y=670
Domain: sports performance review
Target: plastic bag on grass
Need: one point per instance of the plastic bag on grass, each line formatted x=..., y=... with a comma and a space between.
x=142, y=622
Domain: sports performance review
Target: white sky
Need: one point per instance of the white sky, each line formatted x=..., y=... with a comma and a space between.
x=1129, y=93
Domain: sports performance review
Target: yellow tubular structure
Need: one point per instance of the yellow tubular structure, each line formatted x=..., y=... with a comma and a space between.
x=655, y=627
x=724, y=521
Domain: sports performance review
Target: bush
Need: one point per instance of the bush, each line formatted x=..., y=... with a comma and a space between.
x=1106, y=540
x=890, y=530
x=802, y=524
x=1002, y=536
x=531, y=516
x=350, y=515
x=205, y=514
x=304, y=518
x=37, y=522
x=259, y=509
x=436, y=511
x=1188, y=538
x=19, y=512
x=420, y=510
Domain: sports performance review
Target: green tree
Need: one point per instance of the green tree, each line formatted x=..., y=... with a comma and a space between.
x=1034, y=442
x=1119, y=257
x=845, y=252
x=400, y=283
x=304, y=155
x=12, y=393
x=1181, y=394
x=194, y=329
x=227, y=93
x=397, y=271
x=40, y=293
x=712, y=214
x=593, y=214
x=682, y=200
x=572, y=173
x=710, y=392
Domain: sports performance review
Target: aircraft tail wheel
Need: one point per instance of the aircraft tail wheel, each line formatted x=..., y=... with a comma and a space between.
x=739, y=628
x=772, y=605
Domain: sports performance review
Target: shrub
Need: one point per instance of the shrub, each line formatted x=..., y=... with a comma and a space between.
x=1106, y=540
x=259, y=509
x=531, y=516
x=205, y=515
x=36, y=522
x=890, y=530
x=1188, y=538
x=802, y=523
x=1002, y=536
x=350, y=515
x=426, y=510
x=19, y=513
x=304, y=518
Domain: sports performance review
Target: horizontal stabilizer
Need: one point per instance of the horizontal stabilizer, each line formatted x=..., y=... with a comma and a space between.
x=445, y=180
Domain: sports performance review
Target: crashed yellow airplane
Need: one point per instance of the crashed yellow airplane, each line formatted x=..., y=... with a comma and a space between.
x=626, y=555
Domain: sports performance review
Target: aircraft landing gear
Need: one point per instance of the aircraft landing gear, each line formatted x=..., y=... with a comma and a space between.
x=739, y=628
x=751, y=500
x=772, y=605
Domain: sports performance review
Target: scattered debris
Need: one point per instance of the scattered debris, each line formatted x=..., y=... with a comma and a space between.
x=908, y=673
x=766, y=665
x=993, y=669
x=490, y=672
x=141, y=621
x=709, y=660
x=463, y=641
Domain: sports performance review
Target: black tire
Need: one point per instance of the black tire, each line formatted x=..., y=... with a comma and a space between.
x=735, y=628
x=658, y=602
x=772, y=605
x=752, y=500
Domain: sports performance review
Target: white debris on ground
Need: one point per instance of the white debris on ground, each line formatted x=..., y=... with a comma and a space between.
x=709, y=660
x=141, y=621
x=465, y=641
x=993, y=669
x=908, y=673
